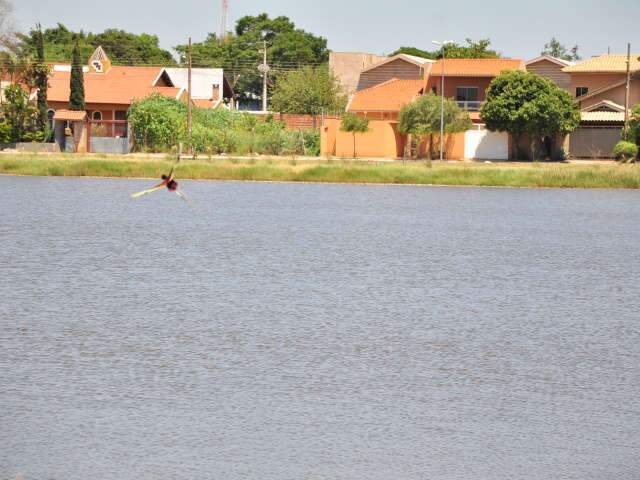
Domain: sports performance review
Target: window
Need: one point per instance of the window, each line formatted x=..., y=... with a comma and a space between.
x=434, y=90
x=581, y=91
x=467, y=94
x=96, y=116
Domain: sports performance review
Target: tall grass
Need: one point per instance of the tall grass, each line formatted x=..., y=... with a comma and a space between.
x=503, y=175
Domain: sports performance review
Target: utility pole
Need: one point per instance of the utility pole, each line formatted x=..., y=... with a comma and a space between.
x=264, y=69
x=626, y=95
x=189, y=109
x=444, y=55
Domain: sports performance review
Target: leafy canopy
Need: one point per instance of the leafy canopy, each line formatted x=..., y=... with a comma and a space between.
x=520, y=102
x=555, y=49
x=239, y=53
x=20, y=116
x=121, y=47
x=353, y=123
x=472, y=49
x=307, y=90
x=634, y=125
x=423, y=117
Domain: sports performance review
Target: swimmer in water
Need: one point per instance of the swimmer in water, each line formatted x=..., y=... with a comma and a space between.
x=168, y=182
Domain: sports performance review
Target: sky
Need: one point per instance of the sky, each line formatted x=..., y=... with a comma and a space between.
x=517, y=28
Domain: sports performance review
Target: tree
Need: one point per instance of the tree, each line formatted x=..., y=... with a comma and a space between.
x=288, y=48
x=40, y=73
x=472, y=49
x=416, y=52
x=122, y=47
x=19, y=114
x=307, y=90
x=634, y=124
x=422, y=118
x=76, y=98
x=555, y=49
x=524, y=103
x=353, y=123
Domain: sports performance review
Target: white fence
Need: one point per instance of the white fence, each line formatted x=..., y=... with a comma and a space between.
x=486, y=145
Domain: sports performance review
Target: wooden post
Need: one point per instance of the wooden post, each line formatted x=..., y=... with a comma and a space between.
x=626, y=96
x=189, y=112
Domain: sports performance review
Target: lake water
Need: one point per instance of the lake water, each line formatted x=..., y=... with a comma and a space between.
x=289, y=332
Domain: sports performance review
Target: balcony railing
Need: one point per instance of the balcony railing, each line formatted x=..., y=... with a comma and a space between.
x=470, y=106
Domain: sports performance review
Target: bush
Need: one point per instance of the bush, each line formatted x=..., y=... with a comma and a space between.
x=159, y=123
x=312, y=142
x=625, y=152
x=6, y=135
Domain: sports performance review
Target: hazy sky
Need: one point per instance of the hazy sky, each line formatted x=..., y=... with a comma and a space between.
x=517, y=28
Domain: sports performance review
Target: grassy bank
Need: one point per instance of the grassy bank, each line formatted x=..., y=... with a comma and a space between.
x=502, y=174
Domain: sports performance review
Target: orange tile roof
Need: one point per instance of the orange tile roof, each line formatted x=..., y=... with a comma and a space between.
x=389, y=96
x=206, y=103
x=605, y=64
x=119, y=85
x=70, y=115
x=476, y=67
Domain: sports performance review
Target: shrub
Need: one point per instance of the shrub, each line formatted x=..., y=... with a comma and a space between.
x=158, y=123
x=5, y=132
x=625, y=151
x=312, y=141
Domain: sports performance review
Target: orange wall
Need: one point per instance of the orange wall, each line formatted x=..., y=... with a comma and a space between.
x=381, y=141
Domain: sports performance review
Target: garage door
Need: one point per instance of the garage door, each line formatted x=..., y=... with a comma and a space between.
x=486, y=145
x=594, y=142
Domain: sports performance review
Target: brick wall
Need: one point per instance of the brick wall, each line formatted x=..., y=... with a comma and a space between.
x=294, y=121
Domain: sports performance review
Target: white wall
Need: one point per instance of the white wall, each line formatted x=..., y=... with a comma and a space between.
x=486, y=145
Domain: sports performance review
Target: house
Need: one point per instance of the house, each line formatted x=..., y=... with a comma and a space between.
x=209, y=86
x=109, y=89
x=466, y=81
x=347, y=66
x=551, y=68
x=599, y=85
x=399, y=67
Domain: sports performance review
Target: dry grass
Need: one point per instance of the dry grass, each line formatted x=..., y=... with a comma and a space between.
x=471, y=174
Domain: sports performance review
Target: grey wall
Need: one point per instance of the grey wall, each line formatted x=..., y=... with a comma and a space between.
x=109, y=145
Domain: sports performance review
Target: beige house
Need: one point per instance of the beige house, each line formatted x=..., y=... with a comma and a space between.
x=551, y=68
x=599, y=86
x=398, y=67
x=346, y=67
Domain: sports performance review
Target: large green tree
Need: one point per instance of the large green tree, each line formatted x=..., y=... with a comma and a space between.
x=239, y=53
x=41, y=79
x=555, y=49
x=76, y=98
x=122, y=47
x=523, y=103
x=308, y=90
x=422, y=119
x=471, y=49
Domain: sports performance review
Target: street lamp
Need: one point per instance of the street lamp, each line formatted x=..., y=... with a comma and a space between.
x=442, y=44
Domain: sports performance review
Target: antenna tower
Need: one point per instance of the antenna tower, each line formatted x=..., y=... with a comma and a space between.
x=224, y=20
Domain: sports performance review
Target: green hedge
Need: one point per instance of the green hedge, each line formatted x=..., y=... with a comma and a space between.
x=625, y=151
x=159, y=123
